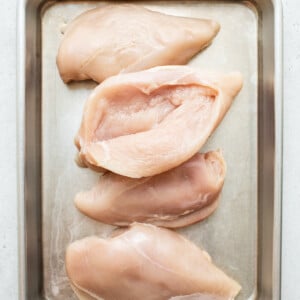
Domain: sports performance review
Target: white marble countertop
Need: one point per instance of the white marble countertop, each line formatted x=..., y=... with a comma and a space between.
x=291, y=150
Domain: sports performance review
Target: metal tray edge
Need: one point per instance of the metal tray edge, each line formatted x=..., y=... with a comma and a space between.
x=278, y=94
x=21, y=52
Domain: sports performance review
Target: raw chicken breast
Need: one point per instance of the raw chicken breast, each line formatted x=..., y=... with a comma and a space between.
x=124, y=38
x=145, y=123
x=145, y=262
x=176, y=198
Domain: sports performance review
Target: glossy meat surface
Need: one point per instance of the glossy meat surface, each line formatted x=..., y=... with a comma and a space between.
x=145, y=123
x=145, y=262
x=125, y=38
x=176, y=198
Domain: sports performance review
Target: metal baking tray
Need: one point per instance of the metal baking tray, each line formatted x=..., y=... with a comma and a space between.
x=243, y=236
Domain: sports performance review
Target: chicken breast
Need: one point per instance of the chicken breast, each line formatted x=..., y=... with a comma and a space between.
x=145, y=123
x=145, y=262
x=124, y=38
x=176, y=198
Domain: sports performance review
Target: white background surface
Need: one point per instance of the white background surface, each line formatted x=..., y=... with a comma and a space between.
x=291, y=160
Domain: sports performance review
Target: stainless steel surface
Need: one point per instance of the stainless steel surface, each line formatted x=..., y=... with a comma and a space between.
x=243, y=236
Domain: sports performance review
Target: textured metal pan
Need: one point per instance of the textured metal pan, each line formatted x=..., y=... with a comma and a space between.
x=243, y=236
